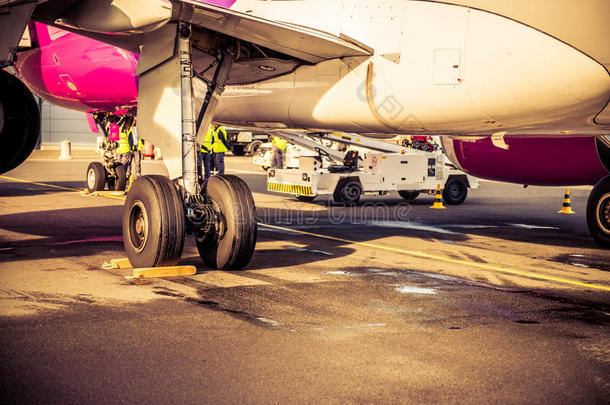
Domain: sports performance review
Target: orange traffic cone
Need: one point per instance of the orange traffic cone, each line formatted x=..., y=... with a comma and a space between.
x=438, y=199
x=566, y=208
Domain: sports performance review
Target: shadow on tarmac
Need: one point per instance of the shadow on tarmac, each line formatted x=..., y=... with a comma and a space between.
x=18, y=189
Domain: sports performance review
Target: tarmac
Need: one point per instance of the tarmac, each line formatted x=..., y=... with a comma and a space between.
x=499, y=299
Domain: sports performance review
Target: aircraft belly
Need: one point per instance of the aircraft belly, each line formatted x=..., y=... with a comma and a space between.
x=460, y=71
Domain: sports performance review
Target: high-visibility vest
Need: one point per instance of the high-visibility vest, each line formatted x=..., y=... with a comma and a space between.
x=206, y=144
x=123, y=142
x=279, y=142
x=219, y=135
x=141, y=144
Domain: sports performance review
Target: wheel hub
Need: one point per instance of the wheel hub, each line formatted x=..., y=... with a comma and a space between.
x=603, y=213
x=454, y=190
x=138, y=226
x=91, y=178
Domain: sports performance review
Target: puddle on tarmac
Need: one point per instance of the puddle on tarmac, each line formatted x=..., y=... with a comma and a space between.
x=584, y=261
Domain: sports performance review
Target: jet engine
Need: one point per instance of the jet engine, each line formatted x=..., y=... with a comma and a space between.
x=19, y=122
x=543, y=161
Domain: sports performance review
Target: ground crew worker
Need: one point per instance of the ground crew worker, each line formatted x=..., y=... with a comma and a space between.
x=279, y=147
x=205, y=153
x=137, y=144
x=220, y=145
x=124, y=148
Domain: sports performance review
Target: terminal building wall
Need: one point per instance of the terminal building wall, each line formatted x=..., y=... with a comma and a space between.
x=60, y=124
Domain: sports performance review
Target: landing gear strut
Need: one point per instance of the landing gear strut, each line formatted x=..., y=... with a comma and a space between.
x=598, y=212
x=221, y=213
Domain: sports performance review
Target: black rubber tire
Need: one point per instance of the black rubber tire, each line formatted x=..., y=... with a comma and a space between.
x=95, y=177
x=348, y=191
x=254, y=147
x=598, y=212
x=238, y=150
x=408, y=194
x=155, y=202
x=305, y=198
x=20, y=126
x=121, y=181
x=233, y=202
x=455, y=191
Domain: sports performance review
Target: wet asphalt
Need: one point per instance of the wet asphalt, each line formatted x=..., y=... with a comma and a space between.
x=499, y=300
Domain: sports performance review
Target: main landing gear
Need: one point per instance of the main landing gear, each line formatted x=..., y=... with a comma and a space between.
x=598, y=212
x=158, y=212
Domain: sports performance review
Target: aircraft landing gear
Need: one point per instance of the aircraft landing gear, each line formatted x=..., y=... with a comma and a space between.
x=159, y=212
x=153, y=223
x=598, y=212
x=228, y=237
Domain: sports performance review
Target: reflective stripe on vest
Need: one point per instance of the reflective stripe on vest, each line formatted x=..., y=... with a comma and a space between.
x=206, y=144
x=218, y=146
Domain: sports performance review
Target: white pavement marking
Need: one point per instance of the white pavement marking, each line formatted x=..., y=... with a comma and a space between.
x=415, y=290
x=528, y=226
x=409, y=225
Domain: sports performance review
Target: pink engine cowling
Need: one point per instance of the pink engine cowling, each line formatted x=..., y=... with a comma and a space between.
x=544, y=161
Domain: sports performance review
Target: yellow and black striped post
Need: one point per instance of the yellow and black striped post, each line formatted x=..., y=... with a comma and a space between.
x=566, y=208
x=438, y=199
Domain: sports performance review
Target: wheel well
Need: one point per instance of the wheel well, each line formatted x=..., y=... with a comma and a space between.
x=462, y=177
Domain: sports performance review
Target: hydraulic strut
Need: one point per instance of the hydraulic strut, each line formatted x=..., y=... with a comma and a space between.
x=189, y=138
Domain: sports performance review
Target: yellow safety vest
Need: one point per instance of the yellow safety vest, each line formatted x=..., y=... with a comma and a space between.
x=218, y=146
x=279, y=142
x=206, y=145
x=123, y=142
x=141, y=144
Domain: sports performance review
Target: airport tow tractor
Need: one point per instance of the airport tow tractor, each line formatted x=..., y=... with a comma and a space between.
x=383, y=168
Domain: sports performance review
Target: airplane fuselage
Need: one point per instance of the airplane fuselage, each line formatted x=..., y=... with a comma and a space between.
x=437, y=68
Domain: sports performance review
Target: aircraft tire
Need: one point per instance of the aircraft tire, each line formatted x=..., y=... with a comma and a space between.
x=229, y=245
x=121, y=181
x=348, y=191
x=455, y=191
x=153, y=223
x=96, y=177
x=408, y=194
x=598, y=212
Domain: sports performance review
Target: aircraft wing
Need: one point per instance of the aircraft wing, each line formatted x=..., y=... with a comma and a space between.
x=299, y=42
x=281, y=46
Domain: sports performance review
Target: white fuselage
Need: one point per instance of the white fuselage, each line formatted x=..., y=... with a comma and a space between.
x=437, y=68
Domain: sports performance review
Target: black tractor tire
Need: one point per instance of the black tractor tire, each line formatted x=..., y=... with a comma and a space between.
x=153, y=223
x=455, y=191
x=96, y=177
x=305, y=198
x=230, y=244
x=254, y=147
x=348, y=191
x=238, y=150
x=121, y=180
x=408, y=194
x=598, y=212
